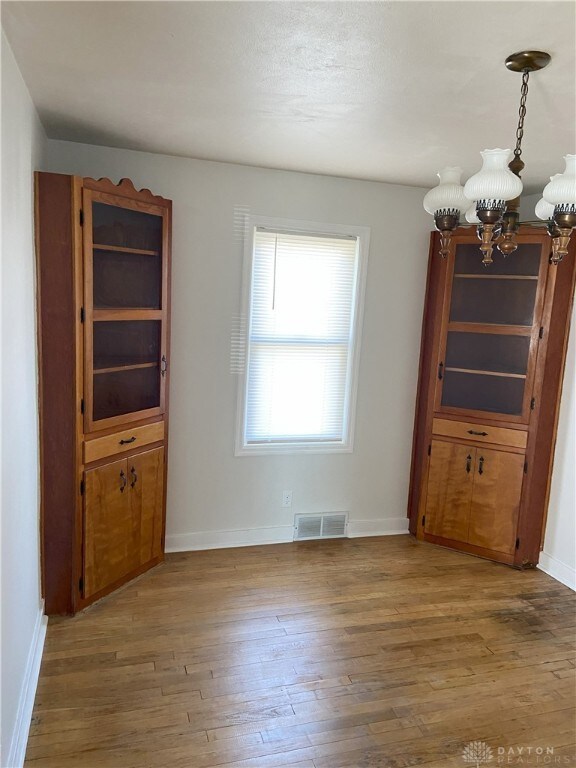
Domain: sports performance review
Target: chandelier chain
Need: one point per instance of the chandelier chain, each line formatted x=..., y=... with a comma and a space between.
x=521, y=114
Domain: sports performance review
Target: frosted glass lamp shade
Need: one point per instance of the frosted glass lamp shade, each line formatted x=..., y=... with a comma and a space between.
x=471, y=216
x=494, y=181
x=448, y=195
x=561, y=190
x=544, y=210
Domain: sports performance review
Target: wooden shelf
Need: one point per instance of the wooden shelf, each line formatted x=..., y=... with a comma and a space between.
x=495, y=277
x=487, y=373
x=122, y=249
x=127, y=314
x=495, y=328
x=117, y=368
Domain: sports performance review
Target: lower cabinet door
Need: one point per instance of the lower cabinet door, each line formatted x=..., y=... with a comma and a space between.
x=450, y=481
x=123, y=503
x=498, y=477
x=108, y=524
x=146, y=479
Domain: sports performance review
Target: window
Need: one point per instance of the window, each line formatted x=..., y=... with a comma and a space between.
x=303, y=309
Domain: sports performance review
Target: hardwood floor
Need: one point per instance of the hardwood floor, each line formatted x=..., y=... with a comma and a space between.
x=362, y=653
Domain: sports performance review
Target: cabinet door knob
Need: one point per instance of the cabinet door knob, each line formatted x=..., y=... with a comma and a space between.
x=481, y=465
x=130, y=440
x=163, y=365
x=440, y=371
x=123, y=481
x=468, y=462
x=134, y=477
x=473, y=432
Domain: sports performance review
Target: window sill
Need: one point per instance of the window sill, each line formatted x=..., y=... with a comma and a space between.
x=291, y=448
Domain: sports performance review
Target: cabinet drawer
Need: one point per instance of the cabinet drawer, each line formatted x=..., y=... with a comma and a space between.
x=480, y=433
x=136, y=437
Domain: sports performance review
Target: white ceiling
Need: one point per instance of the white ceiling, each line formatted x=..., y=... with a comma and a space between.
x=389, y=91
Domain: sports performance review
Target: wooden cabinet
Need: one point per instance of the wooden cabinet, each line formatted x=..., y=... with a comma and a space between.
x=122, y=518
x=103, y=258
x=492, y=359
x=473, y=495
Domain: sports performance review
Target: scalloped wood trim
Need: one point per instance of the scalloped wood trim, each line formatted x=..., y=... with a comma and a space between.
x=125, y=188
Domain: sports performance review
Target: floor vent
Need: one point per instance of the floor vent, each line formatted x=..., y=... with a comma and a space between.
x=331, y=525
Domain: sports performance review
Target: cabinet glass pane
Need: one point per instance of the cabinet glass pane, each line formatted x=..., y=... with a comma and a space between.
x=480, y=392
x=126, y=391
x=127, y=280
x=487, y=352
x=123, y=227
x=126, y=342
x=524, y=261
x=496, y=301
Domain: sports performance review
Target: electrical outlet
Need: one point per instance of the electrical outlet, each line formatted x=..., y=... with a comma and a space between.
x=287, y=499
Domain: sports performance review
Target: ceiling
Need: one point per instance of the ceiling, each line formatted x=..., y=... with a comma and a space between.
x=387, y=91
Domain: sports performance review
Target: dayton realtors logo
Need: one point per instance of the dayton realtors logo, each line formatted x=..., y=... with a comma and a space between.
x=477, y=753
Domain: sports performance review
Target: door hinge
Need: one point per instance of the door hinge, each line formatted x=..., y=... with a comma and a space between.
x=81, y=487
x=423, y=520
x=517, y=543
x=525, y=467
x=81, y=217
x=429, y=450
x=541, y=332
x=82, y=405
x=81, y=314
x=80, y=584
x=532, y=403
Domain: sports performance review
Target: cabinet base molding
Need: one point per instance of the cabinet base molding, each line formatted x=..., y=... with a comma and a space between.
x=470, y=549
x=124, y=581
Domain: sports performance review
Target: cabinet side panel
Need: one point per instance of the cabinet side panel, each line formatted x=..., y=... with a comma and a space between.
x=541, y=458
x=423, y=399
x=56, y=339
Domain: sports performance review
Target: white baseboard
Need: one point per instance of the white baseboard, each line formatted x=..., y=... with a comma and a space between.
x=17, y=751
x=391, y=526
x=277, y=534
x=558, y=570
x=244, y=537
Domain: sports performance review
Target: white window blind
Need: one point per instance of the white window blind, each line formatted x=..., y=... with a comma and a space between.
x=303, y=305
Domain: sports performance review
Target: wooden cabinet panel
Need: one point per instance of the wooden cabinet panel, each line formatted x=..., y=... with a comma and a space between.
x=480, y=433
x=119, y=442
x=496, y=500
x=146, y=480
x=109, y=553
x=450, y=482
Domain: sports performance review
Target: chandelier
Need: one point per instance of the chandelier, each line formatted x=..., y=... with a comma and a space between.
x=491, y=198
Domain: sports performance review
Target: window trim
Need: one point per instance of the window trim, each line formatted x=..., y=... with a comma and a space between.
x=307, y=228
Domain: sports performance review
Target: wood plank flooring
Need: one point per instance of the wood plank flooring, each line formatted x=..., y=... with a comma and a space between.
x=352, y=653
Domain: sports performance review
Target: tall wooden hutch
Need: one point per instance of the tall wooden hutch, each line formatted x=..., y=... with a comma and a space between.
x=103, y=265
x=491, y=367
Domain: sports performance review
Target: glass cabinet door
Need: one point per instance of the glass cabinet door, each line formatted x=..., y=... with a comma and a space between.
x=491, y=331
x=125, y=309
